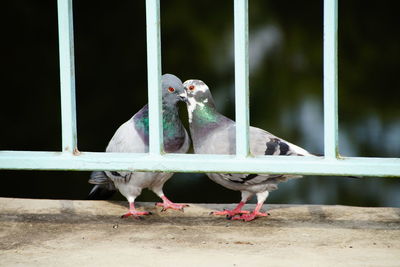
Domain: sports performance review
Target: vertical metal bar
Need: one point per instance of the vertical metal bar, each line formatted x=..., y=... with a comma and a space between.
x=154, y=75
x=67, y=75
x=241, y=77
x=330, y=79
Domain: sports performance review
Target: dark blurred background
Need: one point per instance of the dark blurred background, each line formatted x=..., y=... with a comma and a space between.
x=197, y=42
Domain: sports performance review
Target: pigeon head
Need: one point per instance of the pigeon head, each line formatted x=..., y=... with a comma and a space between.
x=200, y=100
x=198, y=93
x=172, y=90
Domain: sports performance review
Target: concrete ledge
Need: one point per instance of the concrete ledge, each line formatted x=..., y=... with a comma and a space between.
x=91, y=233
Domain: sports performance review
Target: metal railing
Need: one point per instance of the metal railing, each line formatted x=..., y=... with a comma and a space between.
x=71, y=159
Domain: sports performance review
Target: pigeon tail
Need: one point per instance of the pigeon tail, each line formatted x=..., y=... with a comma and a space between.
x=102, y=192
x=99, y=177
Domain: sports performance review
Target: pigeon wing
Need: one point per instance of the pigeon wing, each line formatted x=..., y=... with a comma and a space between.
x=265, y=143
x=128, y=139
x=222, y=141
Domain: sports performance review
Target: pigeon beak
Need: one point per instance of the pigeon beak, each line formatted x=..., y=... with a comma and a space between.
x=184, y=97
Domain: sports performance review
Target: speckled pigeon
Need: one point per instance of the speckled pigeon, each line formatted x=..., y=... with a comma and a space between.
x=133, y=136
x=213, y=133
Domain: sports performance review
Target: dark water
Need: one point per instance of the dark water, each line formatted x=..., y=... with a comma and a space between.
x=197, y=42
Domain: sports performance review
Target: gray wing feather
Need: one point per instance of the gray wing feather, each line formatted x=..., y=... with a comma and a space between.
x=253, y=179
x=104, y=187
x=99, y=177
x=127, y=139
x=265, y=143
x=223, y=139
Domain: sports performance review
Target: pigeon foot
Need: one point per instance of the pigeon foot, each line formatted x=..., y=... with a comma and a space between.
x=250, y=216
x=135, y=213
x=229, y=213
x=168, y=204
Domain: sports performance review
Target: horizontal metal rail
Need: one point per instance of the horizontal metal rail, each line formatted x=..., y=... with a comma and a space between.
x=388, y=167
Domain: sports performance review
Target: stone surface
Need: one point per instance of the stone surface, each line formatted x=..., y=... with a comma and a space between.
x=91, y=233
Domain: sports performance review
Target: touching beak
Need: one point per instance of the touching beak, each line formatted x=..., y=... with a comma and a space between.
x=184, y=97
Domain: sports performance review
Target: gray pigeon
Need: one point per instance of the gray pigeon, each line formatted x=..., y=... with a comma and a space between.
x=133, y=136
x=213, y=133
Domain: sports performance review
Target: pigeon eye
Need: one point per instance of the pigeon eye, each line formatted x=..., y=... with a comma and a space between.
x=191, y=88
x=171, y=89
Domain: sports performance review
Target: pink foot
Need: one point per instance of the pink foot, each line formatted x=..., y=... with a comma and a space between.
x=136, y=214
x=250, y=216
x=168, y=204
x=229, y=213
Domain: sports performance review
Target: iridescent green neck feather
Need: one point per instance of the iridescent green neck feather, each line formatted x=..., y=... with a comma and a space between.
x=173, y=130
x=204, y=114
x=205, y=119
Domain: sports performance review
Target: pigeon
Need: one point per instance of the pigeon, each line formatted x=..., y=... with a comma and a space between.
x=213, y=133
x=133, y=136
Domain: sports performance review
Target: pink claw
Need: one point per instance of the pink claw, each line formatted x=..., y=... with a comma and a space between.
x=134, y=212
x=168, y=204
x=250, y=216
x=231, y=213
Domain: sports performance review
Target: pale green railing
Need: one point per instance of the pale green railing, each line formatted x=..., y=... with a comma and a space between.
x=71, y=159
